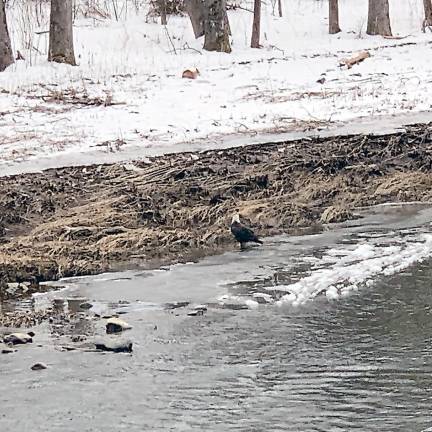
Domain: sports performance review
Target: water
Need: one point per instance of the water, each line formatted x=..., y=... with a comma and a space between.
x=361, y=361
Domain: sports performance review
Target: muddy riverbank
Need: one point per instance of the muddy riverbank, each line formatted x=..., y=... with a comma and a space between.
x=175, y=208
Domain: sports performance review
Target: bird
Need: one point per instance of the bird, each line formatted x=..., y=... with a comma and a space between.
x=242, y=233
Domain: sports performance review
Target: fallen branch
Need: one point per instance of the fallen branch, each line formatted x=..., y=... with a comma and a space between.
x=350, y=62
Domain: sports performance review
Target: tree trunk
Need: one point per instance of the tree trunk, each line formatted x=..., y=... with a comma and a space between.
x=379, y=18
x=334, y=17
x=280, y=8
x=61, y=34
x=428, y=12
x=196, y=12
x=256, y=25
x=162, y=11
x=6, y=55
x=216, y=27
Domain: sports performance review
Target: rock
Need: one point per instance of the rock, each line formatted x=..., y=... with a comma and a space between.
x=4, y=349
x=198, y=310
x=18, y=338
x=39, y=366
x=176, y=305
x=116, y=325
x=85, y=306
x=68, y=348
x=196, y=313
x=115, y=346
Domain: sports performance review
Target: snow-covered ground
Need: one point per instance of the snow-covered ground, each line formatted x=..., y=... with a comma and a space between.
x=136, y=64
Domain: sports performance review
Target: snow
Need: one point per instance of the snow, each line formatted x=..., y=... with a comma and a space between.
x=342, y=271
x=348, y=270
x=138, y=63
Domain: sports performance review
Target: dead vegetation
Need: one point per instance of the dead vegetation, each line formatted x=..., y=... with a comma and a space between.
x=285, y=95
x=82, y=220
x=71, y=96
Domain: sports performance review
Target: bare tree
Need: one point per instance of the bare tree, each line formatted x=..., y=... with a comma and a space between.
x=280, y=8
x=334, y=17
x=379, y=18
x=6, y=55
x=428, y=13
x=216, y=27
x=61, y=48
x=256, y=27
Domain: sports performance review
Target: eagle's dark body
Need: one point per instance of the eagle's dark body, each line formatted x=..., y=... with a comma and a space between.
x=242, y=233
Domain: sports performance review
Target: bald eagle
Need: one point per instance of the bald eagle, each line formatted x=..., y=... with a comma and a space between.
x=242, y=233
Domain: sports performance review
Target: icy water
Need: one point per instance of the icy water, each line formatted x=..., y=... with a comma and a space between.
x=324, y=332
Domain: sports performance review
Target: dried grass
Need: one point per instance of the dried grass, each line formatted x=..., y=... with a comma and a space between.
x=84, y=220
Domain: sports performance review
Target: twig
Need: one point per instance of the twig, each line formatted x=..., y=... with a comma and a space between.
x=186, y=46
x=169, y=38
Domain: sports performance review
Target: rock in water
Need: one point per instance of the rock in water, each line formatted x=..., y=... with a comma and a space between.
x=176, y=305
x=198, y=310
x=116, y=325
x=85, y=306
x=18, y=338
x=196, y=313
x=4, y=349
x=39, y=366
x=115, y=346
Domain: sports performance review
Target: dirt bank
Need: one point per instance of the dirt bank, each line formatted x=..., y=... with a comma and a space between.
x=77, y=221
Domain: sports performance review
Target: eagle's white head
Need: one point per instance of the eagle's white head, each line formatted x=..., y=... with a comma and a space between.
x=235, y=218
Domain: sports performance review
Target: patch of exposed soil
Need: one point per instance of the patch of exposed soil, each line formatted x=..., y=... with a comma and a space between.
x=76, y=221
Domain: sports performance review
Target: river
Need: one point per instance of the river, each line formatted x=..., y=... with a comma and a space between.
x=327, y=331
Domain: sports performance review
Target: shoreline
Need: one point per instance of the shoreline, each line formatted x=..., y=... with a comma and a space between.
x=376, y=125
x=175, y=208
